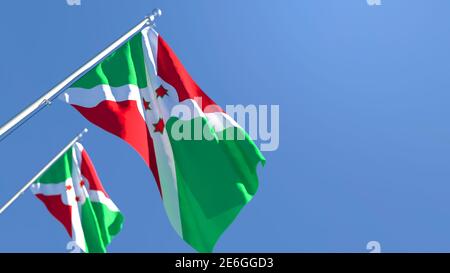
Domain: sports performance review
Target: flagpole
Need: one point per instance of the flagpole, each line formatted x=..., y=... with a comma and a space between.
x=46, y=167
x=47, y=98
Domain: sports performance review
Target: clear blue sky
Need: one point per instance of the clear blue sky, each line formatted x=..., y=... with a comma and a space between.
x=364, y=95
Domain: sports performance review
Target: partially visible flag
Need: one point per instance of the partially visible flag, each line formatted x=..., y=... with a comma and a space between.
x=73, y=193
x=204, y=179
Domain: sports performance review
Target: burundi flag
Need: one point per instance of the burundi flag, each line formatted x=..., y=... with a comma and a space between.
x=73, y=193
x=143, y=94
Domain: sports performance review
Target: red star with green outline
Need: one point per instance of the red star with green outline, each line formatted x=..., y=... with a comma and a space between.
x=161, y=92
x=146, y=104
x=159, y=126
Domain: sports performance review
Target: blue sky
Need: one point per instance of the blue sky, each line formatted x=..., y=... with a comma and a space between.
x=364, y=140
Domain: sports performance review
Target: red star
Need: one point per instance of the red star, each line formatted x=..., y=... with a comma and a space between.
x=68, y=187
x=81, y=183
x=77, y=199
x=161, y=91
x=146, y=104
x=159, y=126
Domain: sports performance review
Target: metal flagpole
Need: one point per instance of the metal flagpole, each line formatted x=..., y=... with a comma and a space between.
x=49, y=164
x=46, y=99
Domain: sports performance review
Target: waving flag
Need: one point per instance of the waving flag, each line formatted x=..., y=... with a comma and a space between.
x=143, y=94
x=73, y=193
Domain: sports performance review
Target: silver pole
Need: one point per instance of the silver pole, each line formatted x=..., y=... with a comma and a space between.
x=46, y=167
x=52, y=94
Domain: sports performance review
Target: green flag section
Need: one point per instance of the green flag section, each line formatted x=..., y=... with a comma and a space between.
x=74, y=195
x=211, y=196
x=203, y=162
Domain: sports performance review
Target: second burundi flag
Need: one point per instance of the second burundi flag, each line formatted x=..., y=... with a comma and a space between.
x=73, y=193
x=204, y=181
